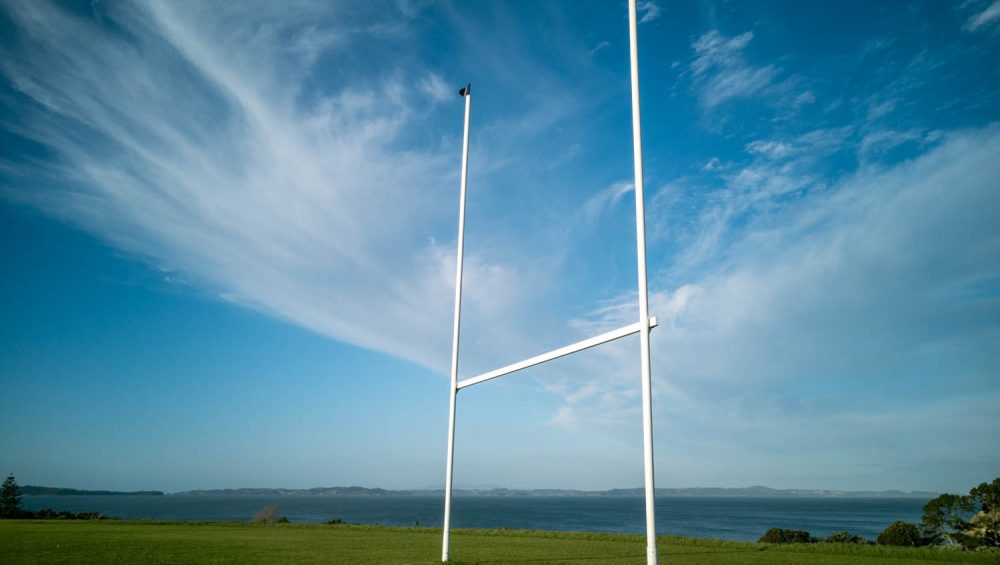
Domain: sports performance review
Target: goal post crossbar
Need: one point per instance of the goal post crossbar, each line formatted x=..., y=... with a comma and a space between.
x=557, y=353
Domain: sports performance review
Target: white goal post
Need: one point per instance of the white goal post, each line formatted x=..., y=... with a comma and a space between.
x=641, y=327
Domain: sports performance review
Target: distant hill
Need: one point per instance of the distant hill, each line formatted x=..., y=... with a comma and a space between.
x=697, y=491
x=767, y=491
x=59, y=491
x=331, y=491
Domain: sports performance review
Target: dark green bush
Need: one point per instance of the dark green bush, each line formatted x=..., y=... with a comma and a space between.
x=900, y=533
x=844, y=537
x=778, y=535
x=50, y=514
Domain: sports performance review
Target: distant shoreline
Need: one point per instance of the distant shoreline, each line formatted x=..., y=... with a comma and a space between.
x=754, y=491
x=738, y=518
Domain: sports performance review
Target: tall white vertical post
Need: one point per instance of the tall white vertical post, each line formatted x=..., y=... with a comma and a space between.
x=467, y=94
x=640, y=238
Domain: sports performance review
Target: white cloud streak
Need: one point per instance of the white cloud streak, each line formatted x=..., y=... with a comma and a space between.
x=780, y=169
x=606, y=199
x=435, y=87
x=772, y=149
x=882, y=140
x=186, y=140
x=649, y=10
x=988, y=16
x=720, y=70
x=813, y=144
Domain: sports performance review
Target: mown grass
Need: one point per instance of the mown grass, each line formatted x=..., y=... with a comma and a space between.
x=38, y=541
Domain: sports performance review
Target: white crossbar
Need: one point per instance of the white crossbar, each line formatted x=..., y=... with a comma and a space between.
x=557, y=353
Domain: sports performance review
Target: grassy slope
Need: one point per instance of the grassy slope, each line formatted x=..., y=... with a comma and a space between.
x=139, y=542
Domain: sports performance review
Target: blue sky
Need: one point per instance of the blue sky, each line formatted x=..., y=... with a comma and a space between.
x=228, y=237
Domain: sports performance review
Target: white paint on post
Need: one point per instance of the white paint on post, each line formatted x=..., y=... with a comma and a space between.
x=640, y=239
x=467, y=94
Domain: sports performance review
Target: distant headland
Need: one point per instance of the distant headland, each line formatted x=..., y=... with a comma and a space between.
x=30, y=490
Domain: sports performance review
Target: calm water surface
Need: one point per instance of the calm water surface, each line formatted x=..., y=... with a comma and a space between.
x=733, y=518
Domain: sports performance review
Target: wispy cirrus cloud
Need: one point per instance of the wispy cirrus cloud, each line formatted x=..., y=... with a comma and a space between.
x=771, y=149
x=191, y=138
x=779, y=168
x=876, y=225
x=434, y=86
x=812, y=144
x=986, y=17
x=721, y=72
x=881, y=281
x=606, y=198
x=879, y=141
x=649, y=10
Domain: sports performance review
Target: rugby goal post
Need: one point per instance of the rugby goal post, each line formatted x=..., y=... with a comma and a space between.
x=641, y=327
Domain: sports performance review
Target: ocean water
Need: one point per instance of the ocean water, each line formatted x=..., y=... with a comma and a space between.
x=732, y=518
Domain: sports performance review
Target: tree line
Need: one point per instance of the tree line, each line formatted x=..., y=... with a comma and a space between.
x=11, y=506
x=969, y=521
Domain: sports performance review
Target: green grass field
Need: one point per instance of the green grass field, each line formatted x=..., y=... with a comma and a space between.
x=37, y=541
